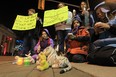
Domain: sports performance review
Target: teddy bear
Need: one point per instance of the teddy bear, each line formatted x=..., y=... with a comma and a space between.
x=42, y=63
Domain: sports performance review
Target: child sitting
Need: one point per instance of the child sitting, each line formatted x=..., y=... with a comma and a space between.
x=44, y=41
x=78, y=42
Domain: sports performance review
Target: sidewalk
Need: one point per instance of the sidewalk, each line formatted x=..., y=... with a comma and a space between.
x=7, y=69
x=96, y=70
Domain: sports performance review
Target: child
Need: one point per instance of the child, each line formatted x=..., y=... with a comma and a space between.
x=78, y=42
x=44, y=41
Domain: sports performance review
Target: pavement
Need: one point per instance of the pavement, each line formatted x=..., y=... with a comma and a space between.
x=7, y=69
x=96, y=70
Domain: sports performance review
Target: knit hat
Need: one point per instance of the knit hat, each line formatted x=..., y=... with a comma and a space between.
x=104, y=8
x=46, y=30
x=77, y=18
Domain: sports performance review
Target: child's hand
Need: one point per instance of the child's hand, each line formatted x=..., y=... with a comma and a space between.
x=27, y=55
x=69, y=34
x=38, y=49
x=37, y=62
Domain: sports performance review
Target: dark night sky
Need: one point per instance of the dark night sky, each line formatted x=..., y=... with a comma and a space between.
x=9, y=9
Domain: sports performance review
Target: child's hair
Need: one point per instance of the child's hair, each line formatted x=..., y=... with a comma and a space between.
x=32, y=10
x=60, y=4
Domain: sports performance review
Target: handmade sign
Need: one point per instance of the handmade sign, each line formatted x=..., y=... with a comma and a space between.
x=25, y=22
x=52, y=17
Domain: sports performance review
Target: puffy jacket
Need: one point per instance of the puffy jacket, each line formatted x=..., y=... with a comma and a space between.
x=80, y=43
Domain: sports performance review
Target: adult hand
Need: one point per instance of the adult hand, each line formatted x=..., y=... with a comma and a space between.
x=100, y=27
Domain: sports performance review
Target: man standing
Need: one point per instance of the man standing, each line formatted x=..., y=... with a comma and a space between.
x=31, y=36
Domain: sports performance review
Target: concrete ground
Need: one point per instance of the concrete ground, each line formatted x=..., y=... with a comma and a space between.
x=7, y=69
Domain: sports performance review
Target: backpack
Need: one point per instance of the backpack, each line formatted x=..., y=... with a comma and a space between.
x=103, y=56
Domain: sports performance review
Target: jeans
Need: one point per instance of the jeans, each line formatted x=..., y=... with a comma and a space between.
x=29, y=44
x=61, y=39
x=101, y=43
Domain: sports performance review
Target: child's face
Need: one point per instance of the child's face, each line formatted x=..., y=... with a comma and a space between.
x=76, y=23
x=44, y=35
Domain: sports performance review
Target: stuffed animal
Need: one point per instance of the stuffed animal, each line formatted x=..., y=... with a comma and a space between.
x=32, y=60
x=42, y=63
x=20, y=60
x=56, y=61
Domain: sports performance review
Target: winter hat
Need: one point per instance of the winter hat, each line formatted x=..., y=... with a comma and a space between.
x=46, y=30
x=99, y=4
x=77, y=18
x=104, y=8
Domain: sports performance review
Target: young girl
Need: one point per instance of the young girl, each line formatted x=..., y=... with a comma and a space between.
x=44, y=41
x=78, y=42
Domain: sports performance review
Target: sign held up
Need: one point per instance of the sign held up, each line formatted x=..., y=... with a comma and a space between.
x=25, y=22
x=52, y=17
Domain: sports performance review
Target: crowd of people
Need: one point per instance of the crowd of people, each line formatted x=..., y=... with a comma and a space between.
x=81, y=33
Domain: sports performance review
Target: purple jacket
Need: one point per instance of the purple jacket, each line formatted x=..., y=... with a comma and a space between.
x=43, y=44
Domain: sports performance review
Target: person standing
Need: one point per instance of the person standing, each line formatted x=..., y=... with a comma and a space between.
x=31, y=36
x=62, y=29
x=85, y=15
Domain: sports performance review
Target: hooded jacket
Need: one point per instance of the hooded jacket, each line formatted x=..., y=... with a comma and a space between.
x=43, y=43
x=78, y=43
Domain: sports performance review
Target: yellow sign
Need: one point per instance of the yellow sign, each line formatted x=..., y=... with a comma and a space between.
x=55, y=16
x=25, y=22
